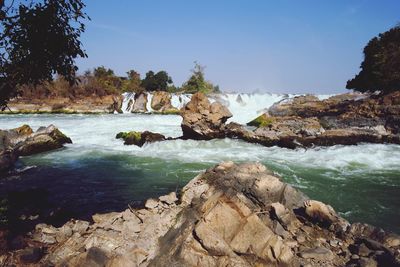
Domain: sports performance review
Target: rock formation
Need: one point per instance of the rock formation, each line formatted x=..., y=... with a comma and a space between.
x=23, y=141
x=344, y=119
x=140, y=103
x=230, y=215
x=140, y=138
x=86, y=105
x=116, y=106
x=202, y=120
x=302, y=121
x=161, y=101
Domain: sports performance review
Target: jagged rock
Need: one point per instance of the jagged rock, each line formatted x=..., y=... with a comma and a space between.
x=319, y=253
x=202, y=120
x=140, y=138
x=140, y=104
x=44, y=139
x=169, y=199
x=22, y=141
x=116, y=106
x=161, y=101
x=230, y=215
x=151, y=203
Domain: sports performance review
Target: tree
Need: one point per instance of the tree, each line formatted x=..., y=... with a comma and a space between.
x=103, y=73
x=37, y=40
x=197, y=82
x=156, y=82
x=380, y=70
x=133, y=83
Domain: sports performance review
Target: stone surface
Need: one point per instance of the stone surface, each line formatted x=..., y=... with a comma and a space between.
x=140, y=103
x=230, y=215
x=202, y=120
x=161, y=101
x=22, y=141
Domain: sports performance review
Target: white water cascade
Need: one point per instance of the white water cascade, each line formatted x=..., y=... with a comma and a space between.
x=244, y=106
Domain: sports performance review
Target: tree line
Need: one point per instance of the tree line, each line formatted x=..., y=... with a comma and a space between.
x=102, y=81
x=40, y=40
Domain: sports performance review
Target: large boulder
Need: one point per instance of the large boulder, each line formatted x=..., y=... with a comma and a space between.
x=230, y=215
x=161, y=101
x=22, y=141
x=140, y=103
x=203, y=120
x=306, y=121
x=44, y=139
x=310, y=105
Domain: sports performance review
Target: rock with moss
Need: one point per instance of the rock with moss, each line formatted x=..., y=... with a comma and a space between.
x=262, y=121
x=139, y=138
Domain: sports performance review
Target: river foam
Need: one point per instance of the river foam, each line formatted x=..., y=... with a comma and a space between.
x=343, y=176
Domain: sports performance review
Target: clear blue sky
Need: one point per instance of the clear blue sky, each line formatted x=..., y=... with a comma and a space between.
x=275, y=46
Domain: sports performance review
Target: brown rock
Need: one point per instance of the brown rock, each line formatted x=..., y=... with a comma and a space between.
x=202, y=120
x=319, y=253
x=161, y=101
x=44, y=139
x=140, y=104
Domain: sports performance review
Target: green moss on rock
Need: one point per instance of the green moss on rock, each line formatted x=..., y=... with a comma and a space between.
x=262, y=121
x=131, y=137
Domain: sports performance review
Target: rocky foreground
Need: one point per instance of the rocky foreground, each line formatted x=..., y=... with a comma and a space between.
x=230, y=215
x=22, y=141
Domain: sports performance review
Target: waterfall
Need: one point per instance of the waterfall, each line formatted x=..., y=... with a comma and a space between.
x=127, y=97
x=243, y=106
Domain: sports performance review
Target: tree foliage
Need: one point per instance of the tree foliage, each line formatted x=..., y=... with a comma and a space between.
x=133, y=83
x=197, y=82
x=38, y=39
x=380, y=70
x=156, y=82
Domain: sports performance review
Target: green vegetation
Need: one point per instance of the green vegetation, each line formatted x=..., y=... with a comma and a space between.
x=37, y=40
x=132, y=136
x=102, y=81
x=156, y=82
x=380, y=70
x=197, y=82
x=262, y=121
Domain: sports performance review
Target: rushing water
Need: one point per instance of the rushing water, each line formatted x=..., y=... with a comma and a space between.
x=243, y=106
x=98, y=173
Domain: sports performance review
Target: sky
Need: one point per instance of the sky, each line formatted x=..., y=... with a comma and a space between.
x=306, y=46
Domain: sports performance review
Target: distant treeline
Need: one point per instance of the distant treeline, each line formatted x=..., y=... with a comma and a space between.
x=102, y=81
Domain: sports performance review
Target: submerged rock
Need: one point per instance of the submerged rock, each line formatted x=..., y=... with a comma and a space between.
x=202, y=120
x=230, y=215
x=140, y=138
